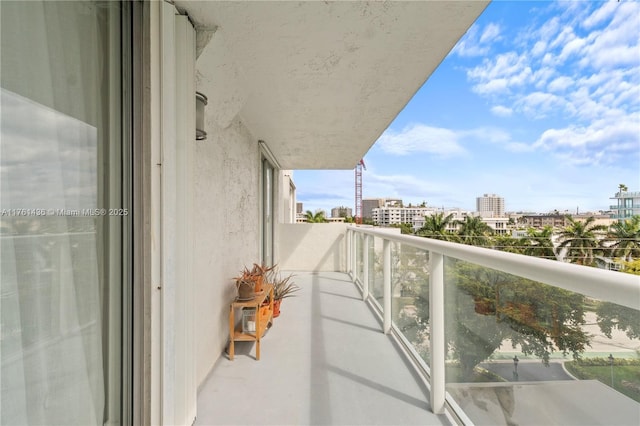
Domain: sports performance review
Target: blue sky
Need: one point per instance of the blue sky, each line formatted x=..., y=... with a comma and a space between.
x=539, y=103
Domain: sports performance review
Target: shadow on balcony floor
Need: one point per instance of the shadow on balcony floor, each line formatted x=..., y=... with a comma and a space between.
x=324, y=361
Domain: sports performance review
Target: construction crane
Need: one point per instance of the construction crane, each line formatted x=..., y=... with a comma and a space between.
x=359, y=167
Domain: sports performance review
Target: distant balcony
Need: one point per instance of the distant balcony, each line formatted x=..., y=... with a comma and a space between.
x=466, y=331
x=635, y=206
x=627, y=194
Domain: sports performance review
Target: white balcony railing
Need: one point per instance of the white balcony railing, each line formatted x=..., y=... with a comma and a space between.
x=378, y=262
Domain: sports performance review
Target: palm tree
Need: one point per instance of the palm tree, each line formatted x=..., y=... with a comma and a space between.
x=317, y=217
x=405, y=228
x=581, y=240
x=626, y=238
x=538, y=243
x=507, y=243
x=623, y=188
x=435, y=226
x=474, y=231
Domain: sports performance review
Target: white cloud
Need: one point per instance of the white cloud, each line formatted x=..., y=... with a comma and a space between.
x=508, y=70
x=490, y=33
x=476, y=42
x=495, y=86
x=539, y=48
x=565, y=36
x=519, y=147
x=487, y=134
x=549, y=29
x=540, y=104
x=573, y=47
x=502, y=111
x=605, y=141
x=541, y=76
x=560, y=84
x=600, y=14
x=420, y=138
x=580, y=67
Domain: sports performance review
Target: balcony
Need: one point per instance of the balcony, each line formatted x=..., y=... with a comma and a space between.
x=389, y=342
x=325, y=361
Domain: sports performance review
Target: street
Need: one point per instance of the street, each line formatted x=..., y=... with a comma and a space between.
x=528, y=371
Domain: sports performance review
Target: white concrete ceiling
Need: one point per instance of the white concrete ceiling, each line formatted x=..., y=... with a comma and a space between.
x=320, y=81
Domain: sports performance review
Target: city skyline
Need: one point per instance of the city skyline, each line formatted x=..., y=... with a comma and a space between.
x=538, y=102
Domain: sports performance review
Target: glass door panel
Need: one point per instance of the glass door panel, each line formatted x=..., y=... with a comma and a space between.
x=267, y=212
x=61, y=199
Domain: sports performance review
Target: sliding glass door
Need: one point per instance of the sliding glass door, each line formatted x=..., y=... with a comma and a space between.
x=267, y=211
x=64, y=195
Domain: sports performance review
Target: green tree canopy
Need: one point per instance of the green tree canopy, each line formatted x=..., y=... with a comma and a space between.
x=581, y=240
x=474, y=231
x=317, y=217
x=405, y=228
x=538, y=243
x=625, y=238
x=435, y=226
x=538, y=317
x=485, y=308
x=507, y=243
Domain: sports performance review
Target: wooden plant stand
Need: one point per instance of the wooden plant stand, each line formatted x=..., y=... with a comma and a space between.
x=262, y=320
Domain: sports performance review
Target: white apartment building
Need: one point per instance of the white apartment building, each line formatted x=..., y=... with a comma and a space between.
x=452, y=226
x=490, y=205
x=498, y=224
x=368, y=204
x=289, y=204
x=628, y=205
x=385, y=216
x=457, y=215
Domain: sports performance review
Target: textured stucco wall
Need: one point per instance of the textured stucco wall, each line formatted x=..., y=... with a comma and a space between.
x=311, y=246
x=227, y=230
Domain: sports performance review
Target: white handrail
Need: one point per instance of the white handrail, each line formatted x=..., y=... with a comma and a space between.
x=616, y=287
x=601, y=284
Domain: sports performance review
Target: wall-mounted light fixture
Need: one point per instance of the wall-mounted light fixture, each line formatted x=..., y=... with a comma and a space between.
x=201, y=101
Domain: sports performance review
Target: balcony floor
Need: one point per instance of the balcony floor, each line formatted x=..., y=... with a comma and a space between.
x=324, y=361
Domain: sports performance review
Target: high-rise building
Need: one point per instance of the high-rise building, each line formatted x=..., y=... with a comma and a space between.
x=341, y=211
x=368, y=204
x=490, y=205
x=628, y=205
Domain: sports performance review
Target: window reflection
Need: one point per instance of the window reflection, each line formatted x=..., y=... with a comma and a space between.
x=60, y=259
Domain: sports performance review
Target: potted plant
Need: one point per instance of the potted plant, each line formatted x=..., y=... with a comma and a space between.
x=256, y=275
x=245, y=288
x=282, y=288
